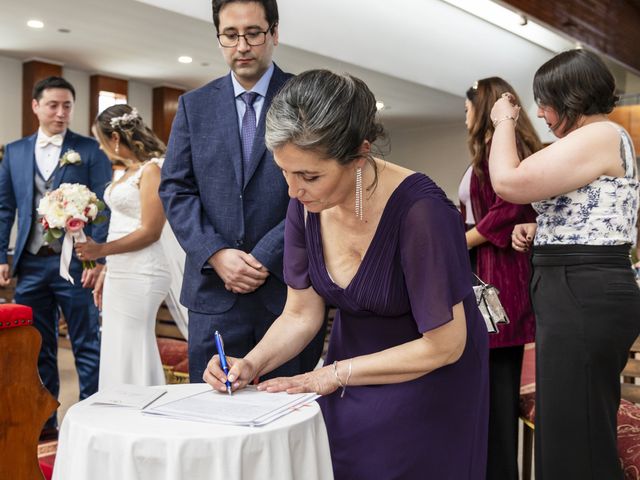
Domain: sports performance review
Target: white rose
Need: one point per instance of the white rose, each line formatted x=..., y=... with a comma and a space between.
x=73, y=157
x=93, y=211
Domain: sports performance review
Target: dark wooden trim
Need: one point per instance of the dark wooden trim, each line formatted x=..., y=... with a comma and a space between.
x=165, y=105
x=98, y=83
x=32, y=73
x=611, y=27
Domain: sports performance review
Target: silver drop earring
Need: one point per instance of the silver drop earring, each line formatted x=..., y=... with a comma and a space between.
x=359, y=209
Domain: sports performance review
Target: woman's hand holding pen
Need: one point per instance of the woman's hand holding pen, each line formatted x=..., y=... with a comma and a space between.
x=321, y=381
x=241, y=373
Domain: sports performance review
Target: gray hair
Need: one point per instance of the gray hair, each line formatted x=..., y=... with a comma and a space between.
x=324, y=112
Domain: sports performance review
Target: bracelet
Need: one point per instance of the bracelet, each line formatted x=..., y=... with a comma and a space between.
x=347, y=381
x=335, y=372
x=500, y=120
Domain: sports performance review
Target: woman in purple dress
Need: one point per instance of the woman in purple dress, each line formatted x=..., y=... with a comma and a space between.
x=504, y=267
x=405, y=386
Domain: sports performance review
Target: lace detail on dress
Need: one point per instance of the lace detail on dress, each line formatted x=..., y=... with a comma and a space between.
x=123, y=199
x=603, y=212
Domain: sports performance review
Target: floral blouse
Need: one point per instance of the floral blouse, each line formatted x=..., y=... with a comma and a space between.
x=603, y=212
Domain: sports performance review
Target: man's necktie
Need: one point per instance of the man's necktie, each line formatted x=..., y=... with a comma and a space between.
x=56, y=140
x=248, y=127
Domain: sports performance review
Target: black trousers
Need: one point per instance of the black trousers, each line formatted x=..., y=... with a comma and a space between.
x=587, y=307
x=505, y=366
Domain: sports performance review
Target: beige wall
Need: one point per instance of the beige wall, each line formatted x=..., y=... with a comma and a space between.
x=10, y=99
x=80, y=82
x=141, y=97
x=633, y=84
x=438, y=151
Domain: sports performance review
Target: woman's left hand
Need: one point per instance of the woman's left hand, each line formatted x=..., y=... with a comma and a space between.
x=88, y=250
x=505, y=107
x=321, y=381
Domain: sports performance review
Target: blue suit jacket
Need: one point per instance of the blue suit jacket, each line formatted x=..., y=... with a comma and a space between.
x=208, y=207
x=17, y=172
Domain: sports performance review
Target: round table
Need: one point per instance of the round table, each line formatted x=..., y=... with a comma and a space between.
x=109, y=442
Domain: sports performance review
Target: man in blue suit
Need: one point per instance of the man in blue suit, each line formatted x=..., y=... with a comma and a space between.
x=225, y=198
x=31, y=167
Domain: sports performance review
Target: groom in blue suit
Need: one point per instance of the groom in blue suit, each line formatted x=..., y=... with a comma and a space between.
x=226, y=199
x=31, y=167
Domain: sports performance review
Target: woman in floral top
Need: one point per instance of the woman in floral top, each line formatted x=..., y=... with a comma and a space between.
x=587, y=304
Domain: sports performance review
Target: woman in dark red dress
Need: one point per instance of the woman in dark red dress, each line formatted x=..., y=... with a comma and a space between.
x=405, y=387
x=500, y=265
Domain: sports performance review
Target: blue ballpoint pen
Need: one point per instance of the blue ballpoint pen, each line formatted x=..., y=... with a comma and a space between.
x=223, y=358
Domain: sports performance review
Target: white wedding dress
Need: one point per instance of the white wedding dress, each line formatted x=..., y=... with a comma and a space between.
x=135, y=285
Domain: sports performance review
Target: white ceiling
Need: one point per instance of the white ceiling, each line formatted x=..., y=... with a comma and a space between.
x=418, y=56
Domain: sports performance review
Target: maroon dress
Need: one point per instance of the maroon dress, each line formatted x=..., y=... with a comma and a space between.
x=499, y=264
x=415, y=270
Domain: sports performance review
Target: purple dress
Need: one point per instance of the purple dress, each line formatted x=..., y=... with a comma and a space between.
x=415, y=270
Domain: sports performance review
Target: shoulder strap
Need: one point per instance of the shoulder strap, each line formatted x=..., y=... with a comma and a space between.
x=627, y=152
x=138, y=174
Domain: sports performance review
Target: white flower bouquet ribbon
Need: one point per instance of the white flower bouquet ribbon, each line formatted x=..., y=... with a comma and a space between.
x=73, y=234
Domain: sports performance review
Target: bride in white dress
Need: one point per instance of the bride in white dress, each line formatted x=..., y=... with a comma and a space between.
x=137, y=277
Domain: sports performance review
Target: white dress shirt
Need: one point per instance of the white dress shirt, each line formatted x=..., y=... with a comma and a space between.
x=47, y=157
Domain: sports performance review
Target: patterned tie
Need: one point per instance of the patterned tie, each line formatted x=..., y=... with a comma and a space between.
x=248, y=127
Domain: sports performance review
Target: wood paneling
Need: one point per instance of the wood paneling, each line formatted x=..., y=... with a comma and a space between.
x=611, y=27
x=32, y=73
x=165, y=105
x=629, y=117
x=98, y=83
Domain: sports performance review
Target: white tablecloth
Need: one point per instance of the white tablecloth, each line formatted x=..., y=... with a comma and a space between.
x=115, y=443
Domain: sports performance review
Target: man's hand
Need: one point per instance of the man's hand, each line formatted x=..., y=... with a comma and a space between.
x=240, y=271
x=90, y=275
x=5, y=276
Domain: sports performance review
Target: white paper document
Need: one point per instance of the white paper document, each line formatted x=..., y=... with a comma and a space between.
x=248, y=407
x=133, y=396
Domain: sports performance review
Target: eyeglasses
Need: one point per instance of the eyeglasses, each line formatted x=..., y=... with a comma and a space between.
x=253, y=38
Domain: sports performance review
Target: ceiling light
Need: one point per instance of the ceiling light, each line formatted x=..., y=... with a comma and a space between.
x=185, y=59
x=514, y=22
x=379, y=105
x=35, y=24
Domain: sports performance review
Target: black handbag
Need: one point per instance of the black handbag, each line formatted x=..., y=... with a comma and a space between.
x=489, y=305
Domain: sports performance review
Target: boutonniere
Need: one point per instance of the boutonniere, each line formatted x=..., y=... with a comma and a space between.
x=70, y=157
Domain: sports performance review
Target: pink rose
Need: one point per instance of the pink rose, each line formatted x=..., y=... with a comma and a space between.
x=74, y=225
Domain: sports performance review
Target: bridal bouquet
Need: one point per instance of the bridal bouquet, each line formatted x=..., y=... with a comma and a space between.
x=68, y=209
